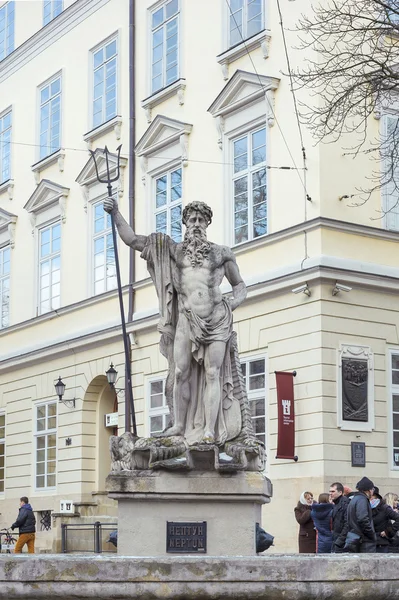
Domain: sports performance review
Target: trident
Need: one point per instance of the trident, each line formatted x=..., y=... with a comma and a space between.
x=128, y=374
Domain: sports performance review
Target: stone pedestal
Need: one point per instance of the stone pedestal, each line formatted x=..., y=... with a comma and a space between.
x=229, y=504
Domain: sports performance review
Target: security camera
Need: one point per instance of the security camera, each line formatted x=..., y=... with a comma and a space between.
x=302, y=289
x=340, y=287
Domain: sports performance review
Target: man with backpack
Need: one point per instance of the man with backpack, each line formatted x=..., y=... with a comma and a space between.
x=361, y=534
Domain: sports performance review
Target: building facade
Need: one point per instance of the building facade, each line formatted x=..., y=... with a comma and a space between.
x=198, y=91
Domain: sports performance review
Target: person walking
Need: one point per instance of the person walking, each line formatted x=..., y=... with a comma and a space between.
x=26, y=523
x=386, y=522
x=321, y=514
x=307, y=532
x=339, y=525
x=361, y=534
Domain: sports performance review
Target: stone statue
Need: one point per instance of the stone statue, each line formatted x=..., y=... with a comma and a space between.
x=197, y=336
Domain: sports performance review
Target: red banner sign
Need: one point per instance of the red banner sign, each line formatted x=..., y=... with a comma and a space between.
x=285, y=415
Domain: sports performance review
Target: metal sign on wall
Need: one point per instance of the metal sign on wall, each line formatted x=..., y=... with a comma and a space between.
x=358, y=452
x=186, y=538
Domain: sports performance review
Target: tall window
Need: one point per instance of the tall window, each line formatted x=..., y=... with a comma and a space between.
x=168, y=204
x=254, y=372
x=249, y=182
x=165, y=45
x=395, y=408
x=4, y=286
x=5, y=147
x=2, y=450
x=390, y=191
x=51, y=9
x=245, y=19
x=105, y=83
x=104, y=257
x=159, y=411
x=46, y=445
x=50, y=268
x=7, y=29
x=50, y=118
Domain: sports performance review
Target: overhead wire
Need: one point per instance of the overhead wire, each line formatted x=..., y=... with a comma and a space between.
x=193, y=160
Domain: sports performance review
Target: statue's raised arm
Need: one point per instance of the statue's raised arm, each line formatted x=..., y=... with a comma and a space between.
x=126, y=233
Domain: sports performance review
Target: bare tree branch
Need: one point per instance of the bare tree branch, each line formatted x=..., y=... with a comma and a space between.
x=353, y=76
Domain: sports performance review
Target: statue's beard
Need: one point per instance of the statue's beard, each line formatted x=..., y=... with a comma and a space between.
x=196, y=247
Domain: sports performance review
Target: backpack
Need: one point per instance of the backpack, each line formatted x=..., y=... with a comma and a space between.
x=263, y=539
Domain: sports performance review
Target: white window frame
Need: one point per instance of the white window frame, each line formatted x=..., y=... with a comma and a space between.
x=114, y=37
x=170, y=205
x=3, y=441
x=4, y=145
x=256, y=394
x=45, y=433
x=244, y=35
x=177, y=15
x=104, y=234
x=48, y=83
x=354, y=351
x=393, y=389
x=53, y=5
x=159, y=411
x=391, y=218
x=41, y=260
x=248, y=172
x=6, y=9
x=3, y=278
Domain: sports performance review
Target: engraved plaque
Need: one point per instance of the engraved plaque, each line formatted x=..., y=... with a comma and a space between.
x=358, y=451
x=186, y=538
x=354, y=390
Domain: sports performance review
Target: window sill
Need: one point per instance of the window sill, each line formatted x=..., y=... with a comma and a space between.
x=7, y=186
x=113, y=124
x=176, y=88
x=56, y=157
x=260, y=40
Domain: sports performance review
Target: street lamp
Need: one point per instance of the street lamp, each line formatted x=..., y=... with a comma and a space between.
x=60, y=391
x=111, y=374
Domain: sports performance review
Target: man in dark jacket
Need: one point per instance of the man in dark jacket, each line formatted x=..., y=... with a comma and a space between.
x=360, y=519
x=339, y=524
x=26, y=523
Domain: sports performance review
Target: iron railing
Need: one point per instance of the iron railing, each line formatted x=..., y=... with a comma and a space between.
x=98, y=530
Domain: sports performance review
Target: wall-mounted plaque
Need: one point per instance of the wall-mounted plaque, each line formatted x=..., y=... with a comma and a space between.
x=358, y=452
x=354, y=390
x=186, y=538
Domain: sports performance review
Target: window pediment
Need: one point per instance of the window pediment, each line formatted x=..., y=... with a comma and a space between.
x=162, y=132
x=88, y=174
x=87, y=178
x=47, y=195
x=7, y=227
x=243, y=89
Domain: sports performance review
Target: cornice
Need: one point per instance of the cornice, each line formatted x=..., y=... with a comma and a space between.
x=48, y=35
x=313, y=224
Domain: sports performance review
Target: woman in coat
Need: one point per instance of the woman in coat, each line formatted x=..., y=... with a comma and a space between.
x=307, y=532
x=386, y=523
x=321, y=514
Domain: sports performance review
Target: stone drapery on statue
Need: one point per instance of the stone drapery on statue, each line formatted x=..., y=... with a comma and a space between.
x=202, y=331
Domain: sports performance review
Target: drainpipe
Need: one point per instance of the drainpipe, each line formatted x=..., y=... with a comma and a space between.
x=132, y=171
